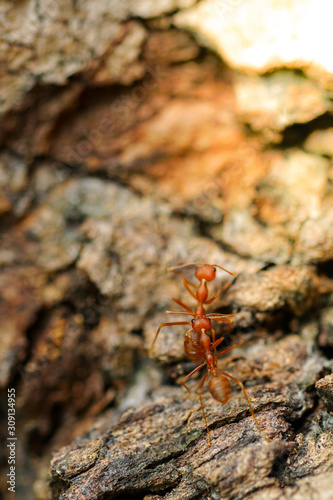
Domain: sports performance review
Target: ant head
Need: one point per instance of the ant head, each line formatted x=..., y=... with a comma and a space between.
x=199, y=324
x=205, y=272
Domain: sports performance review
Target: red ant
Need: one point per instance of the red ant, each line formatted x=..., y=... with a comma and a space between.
x=198, y=346
x=204, y=273
x=201, y=320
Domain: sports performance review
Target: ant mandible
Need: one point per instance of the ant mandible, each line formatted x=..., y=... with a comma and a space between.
x=198, y=346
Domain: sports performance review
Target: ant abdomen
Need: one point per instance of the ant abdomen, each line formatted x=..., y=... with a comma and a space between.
x=192, y=346
x=220, y=388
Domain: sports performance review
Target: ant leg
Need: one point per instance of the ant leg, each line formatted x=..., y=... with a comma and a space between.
x=181, y=304
x=183, y=313
x=187, y=286
x=226, y=350
x=166, y=324
x=188, y=331
x=202, y=407
x=219, y=315
x=241, y=385
x=224, y=318
x=175, y=271
x=213, y=341
x=192, y=373
x=209, y=301
x=232, y=274
x=230, y=325
x=183, y=266
x=215, y=344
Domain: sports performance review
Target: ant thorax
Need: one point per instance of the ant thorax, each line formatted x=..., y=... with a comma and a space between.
x=202, y=292
x=209, y=358
x=200, y=310
x=205, y=341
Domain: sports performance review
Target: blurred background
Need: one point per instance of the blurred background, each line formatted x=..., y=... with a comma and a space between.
x=139, y=135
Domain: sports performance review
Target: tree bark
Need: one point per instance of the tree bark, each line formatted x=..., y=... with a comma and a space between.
x=127, y=147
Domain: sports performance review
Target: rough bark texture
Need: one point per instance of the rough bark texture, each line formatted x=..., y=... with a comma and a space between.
x=128, y=147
